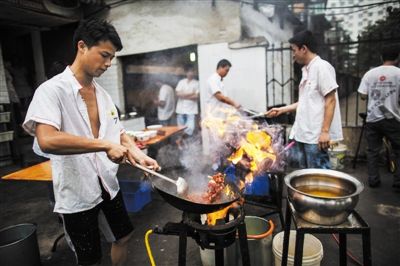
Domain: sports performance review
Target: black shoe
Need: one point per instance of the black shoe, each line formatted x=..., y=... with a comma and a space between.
x=375, y=184
x=396, y=185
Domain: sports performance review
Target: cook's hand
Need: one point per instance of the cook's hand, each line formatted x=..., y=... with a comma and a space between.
x=116, y=152
x=323, y=141
x=274, y=112
x=237, y=106
x=137, y=156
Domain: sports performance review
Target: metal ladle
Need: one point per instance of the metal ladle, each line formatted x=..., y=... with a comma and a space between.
x=181, y=184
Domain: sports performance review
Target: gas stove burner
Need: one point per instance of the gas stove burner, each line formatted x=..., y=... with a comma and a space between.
x=216, y=237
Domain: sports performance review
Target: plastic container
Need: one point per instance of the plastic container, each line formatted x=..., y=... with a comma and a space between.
x=259, y=186
x=259, y=239
x=136, y=194
x=19, y=246
x=5, y=117
x=312, y=250
x=6, y=136
x=337, y=156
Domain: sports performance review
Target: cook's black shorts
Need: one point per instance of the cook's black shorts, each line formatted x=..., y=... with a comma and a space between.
x=82, y=228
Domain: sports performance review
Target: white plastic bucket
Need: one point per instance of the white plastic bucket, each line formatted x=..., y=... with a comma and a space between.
x=312, y=250
x=337, y=155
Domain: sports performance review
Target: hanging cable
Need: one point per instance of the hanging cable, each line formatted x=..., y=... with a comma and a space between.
x=148, y=249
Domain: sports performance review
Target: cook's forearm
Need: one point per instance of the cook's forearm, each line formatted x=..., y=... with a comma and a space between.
x=130, y=144
x=290, y=108
x=61, y=143
x=225, y=99
x=330, y=104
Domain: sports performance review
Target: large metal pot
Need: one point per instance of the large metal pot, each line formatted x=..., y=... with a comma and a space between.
x=322, y=196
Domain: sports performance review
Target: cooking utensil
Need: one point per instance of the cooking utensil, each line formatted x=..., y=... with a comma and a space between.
x=323, y=196
x=169, y=194
x=180, y=183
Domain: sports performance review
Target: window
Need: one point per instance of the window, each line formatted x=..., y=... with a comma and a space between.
x=360, y=23
x=380, y=12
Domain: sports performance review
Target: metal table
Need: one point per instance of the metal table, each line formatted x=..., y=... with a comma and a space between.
x=353, y=225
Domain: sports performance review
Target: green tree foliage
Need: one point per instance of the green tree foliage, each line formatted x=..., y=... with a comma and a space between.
x=374, y=37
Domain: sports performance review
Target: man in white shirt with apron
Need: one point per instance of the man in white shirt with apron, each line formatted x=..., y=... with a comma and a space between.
x=317, y=111
x=381, y=85
x=76, y=124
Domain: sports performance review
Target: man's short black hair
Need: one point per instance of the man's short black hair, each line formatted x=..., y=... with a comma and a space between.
x=188, y=67
x=306, y=38
x=223, y=63
x=390, y=52
x=92, y=31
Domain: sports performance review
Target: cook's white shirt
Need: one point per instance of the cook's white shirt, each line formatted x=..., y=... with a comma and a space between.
x=57, y=102
x=318, y=79
x=382, y=85
x=214, y=85
x=187, y=106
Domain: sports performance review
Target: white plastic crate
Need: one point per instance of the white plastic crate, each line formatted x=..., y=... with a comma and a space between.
x=5, y=117
x=6, y=136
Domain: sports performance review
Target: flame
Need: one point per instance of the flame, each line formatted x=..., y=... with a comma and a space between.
x=214, y=216
x=256, y=147
x=220, y=124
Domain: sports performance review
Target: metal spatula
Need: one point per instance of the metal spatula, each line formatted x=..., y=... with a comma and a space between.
x=181, y=184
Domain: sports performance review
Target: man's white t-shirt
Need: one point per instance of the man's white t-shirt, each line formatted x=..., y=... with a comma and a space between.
x=214, y=85
x=58, y=103
x=187, y=106
x=382, y=85
x=318, y=79
x=166, y=95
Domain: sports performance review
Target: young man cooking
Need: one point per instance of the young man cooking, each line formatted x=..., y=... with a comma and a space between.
x=317, y=111
x=75, y=122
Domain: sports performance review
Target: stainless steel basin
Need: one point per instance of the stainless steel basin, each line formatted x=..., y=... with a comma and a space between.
x=322, y=196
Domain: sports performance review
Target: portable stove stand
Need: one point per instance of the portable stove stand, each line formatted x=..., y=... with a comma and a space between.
x=354, y=225
x=215, y=237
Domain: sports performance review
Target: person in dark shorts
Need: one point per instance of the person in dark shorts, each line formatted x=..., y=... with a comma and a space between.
x=76, y=125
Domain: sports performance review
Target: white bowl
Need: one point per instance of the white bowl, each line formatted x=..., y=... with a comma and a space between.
x=143, y=136
x=154, y=127
x=152, y=133
x=133, y=133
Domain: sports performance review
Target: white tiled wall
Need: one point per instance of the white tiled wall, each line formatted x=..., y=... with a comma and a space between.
x=111, y=81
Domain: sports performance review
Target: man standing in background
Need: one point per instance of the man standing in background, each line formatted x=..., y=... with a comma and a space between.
x=165, y=104
x=317, y=111
x=187, y=92
x=381, y=85
x=216, y=94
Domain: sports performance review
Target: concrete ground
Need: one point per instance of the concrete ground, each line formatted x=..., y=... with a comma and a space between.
x=28, y=202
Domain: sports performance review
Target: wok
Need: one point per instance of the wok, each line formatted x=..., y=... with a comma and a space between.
x=169, y=194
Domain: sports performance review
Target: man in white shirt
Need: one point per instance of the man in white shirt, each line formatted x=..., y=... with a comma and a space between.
x=317, y=111
x=76, y=124
x=165, y=104
x=216, y=94
x=187, y=92
x=381, y=85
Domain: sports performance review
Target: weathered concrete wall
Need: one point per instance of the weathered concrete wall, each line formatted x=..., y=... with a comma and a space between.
x=146, y=26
